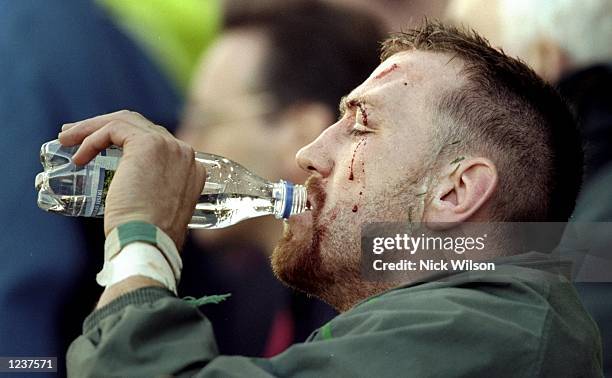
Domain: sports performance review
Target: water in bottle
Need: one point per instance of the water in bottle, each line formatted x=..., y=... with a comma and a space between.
x=231, y=193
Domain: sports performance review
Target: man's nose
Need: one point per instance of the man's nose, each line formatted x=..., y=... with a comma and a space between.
x=315, y=157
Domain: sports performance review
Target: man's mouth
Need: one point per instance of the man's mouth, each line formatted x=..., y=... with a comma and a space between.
x=316, y=194
x=315, y=202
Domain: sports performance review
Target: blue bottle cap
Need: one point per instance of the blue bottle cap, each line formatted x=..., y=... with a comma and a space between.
x=288, y=199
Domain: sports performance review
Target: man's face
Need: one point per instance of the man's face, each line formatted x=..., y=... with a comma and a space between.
x=367, y=167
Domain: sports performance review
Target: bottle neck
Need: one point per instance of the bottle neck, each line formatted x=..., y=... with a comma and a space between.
x=290, y=199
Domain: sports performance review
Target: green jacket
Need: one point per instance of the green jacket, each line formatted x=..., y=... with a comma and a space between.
x=523, y=320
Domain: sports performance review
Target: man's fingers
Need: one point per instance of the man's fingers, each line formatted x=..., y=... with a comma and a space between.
x=66, y=126
x=113, y=133
x=75, y=133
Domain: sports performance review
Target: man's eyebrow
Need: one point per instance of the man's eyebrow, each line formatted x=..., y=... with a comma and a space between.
x=347, y=102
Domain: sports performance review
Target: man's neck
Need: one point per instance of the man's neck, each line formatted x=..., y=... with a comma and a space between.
x=344, y=297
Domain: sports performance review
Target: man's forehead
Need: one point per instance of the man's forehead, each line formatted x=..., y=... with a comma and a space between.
x=414, y=69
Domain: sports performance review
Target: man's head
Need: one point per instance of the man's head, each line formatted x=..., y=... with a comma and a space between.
x=270, y=84
x=553, y=37
x=445, y=130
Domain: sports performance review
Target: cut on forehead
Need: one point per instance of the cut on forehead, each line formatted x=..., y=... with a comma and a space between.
x=416, y=69
x=425, y=72
x=419, y=65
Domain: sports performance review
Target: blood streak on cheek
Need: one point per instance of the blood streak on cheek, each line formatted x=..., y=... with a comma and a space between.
x=386, y=71
x=356, y=207
x=351, y=176
x=365, y=142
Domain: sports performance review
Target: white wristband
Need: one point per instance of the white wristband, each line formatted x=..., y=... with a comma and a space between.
x=139, y=248
x=137, y=231
x=137, y=259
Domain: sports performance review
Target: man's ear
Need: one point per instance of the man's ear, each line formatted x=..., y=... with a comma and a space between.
x=463, y=192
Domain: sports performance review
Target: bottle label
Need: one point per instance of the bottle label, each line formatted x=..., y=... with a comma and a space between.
x=99, y=174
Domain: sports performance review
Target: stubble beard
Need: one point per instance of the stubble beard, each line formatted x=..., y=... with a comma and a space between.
x=326, y=262
x=297, y=259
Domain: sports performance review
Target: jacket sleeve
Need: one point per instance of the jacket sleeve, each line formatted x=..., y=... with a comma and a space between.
x=150, y=332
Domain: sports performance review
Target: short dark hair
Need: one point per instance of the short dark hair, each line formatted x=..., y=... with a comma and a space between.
x=319, y=51
x=509, y=113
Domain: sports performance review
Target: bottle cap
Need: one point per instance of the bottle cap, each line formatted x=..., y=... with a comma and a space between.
x=288, y=199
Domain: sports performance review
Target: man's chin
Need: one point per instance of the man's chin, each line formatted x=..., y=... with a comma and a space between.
x=296, y=259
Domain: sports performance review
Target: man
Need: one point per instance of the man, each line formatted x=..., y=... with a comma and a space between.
x=259, y=110
x=439, y=92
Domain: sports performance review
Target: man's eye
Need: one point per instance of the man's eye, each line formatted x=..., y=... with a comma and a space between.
x=358, y=132
x=359, y=129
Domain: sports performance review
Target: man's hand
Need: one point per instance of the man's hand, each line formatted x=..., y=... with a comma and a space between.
x=157, y=181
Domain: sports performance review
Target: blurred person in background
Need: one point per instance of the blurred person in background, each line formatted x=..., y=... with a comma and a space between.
x=568, y=42
x=395, y=15
x=269, y=84
x=398, y=14
x=60, y=60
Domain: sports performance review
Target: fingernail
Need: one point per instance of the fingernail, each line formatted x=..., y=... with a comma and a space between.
x=66, y=126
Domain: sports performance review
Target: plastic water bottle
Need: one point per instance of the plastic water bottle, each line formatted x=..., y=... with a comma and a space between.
x=231, y=193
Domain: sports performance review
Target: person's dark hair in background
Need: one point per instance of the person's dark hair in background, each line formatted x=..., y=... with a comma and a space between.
x=297, y=59
x=318, y=51
x=589, y=93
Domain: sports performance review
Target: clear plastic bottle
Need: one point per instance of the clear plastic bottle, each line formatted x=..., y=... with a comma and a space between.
x=231, y=193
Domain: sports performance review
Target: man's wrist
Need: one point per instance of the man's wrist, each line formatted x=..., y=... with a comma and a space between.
x=138, y=259
x=139, y=231
x=176, y=235
x=142, y=250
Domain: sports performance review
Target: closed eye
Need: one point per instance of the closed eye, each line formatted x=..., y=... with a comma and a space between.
x=359, y=129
